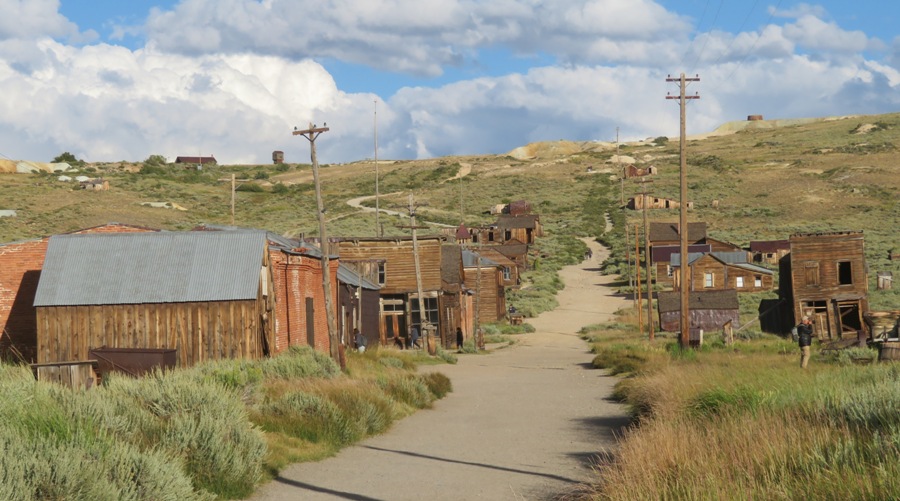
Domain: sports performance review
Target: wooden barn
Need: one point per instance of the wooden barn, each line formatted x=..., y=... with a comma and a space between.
x=708, y=310
x=20, y=269
x=484, y=278
x=390, y=263
x=723, y=270
x=769, y=251
x=208, y=295
x=829, y=282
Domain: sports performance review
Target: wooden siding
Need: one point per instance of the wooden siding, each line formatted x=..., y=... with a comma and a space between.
x=708, y=320
x=815, y=277
x=491, y=294
x=198, y=331
x=400, y=268
x=724, y=276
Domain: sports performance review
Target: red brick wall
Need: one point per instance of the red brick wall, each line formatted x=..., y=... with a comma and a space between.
x=297, y=278
x=20, y=270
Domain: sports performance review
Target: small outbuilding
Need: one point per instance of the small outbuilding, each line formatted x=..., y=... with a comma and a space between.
x=708, y=310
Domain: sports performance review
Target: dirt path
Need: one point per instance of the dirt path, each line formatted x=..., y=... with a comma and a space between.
x=523, y=423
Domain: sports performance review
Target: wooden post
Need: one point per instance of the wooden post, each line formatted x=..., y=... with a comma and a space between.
x=423, y=318
x=647, y=262
x=637, y=270
x=335, y=348
x=684, y=338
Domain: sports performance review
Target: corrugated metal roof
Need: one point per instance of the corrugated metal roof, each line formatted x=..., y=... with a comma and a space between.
x=350, y=277
x=133, y=268
x=469, y=260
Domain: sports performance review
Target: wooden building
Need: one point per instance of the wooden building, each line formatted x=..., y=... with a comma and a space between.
x=389, y=262
x=208, y=295
x=661, y=258
x=515, y=251
x=484, y=278
x=666, y=234
x=524, y=228
x=195, y=160
x=631, y=170
x=509, y=270
x=20, y=269
x=829, y=282
x=723, y=270
x=769, y=251
x=456, y=302
x=358, y=305
x=651, y=202
x=708, y=310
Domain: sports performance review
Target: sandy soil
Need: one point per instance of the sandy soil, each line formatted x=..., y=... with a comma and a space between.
x=523, y=423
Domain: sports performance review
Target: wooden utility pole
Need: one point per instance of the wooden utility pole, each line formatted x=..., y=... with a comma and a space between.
x=649, y=279
x=334, y=341
x=378, y=230
x=637, y=270
x=685, y=337
x=423, y=317
x=628, y=266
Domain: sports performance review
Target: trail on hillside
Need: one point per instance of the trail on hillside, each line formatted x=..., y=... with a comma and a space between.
x=523, y=423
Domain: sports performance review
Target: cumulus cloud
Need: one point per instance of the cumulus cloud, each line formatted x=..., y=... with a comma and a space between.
x=34, y=19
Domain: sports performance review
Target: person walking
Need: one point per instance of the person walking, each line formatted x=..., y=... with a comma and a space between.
x=459, y=339
x=804, y=339
x=414, y=337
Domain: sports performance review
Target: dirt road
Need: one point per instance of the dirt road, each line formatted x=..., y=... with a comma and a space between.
x=523, y=423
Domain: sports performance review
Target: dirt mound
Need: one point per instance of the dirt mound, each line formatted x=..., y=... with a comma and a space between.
x=546, y=149
x=26, y=167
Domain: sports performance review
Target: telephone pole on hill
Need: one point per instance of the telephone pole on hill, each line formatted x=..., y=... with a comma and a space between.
x=644, y=203
x=424, y=322
x=685, y=338
x=335, y=348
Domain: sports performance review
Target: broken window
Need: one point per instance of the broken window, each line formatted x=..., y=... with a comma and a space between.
x=845, y=273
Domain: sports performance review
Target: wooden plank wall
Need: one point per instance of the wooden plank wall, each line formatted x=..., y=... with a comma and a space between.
x=399, y=263
x=491, y=298
x=199, y=331
x=828, y=250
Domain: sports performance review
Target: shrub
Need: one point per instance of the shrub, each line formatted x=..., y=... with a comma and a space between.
x=300, y=362
x=250, y=187
x=406, y=388
x=438, y=384
x=280, y=189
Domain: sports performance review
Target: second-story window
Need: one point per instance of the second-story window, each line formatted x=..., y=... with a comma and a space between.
x=845, y=273
x=382, y=273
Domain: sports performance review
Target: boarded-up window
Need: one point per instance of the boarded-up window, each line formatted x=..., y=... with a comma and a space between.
x=811, y=272
x=310, y=322
x=708, y=279
x=845, y=273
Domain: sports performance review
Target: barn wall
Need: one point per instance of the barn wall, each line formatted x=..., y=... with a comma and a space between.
x=199, y=331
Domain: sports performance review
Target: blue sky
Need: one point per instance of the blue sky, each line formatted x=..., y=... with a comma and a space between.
x=111, y=80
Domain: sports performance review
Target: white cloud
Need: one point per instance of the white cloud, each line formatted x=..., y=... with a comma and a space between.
x=35, y=19
x=813, y=33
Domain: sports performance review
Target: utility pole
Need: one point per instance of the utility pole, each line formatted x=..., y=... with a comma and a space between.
x=423, y=318
x=685, y=338
x=647, y=261
x=637, y=269
x=335, y=348
x=619, y=167
x=378, y=230
x=628, y=266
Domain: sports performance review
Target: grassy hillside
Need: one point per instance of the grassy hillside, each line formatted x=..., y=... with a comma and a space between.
x=769, y=180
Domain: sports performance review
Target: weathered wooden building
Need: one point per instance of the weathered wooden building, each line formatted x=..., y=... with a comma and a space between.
x=20, y=269
x=708, y=310
x=524, y=228
x=829, y=281
x=195, y=160
x=631, y=170
x=722, y=270
x=484, y=278
x=667, y=234
x=651, y=202
x=358, y=305
x=661, y=258
x=509, y=270
x=390, y=263
x=208, y=295
x=456, y=302
x=515, y=251
x=769, y=251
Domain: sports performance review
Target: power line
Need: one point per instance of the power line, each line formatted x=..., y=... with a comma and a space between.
x=741, y=62
x=706, y=41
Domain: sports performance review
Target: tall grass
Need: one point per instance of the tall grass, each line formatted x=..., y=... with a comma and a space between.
x=747, y=423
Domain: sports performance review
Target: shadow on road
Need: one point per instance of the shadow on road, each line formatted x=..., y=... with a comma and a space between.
x=605, y=427
x=332, y=492
x=480, y=465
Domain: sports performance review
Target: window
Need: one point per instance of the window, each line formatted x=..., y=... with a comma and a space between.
x=811, y=272
x=757, y=281
x=845, y=273
x=668, y=270
x=708, y=279
x=431, y=311
x=507, y=274
x=382, y=273
x=738, y=282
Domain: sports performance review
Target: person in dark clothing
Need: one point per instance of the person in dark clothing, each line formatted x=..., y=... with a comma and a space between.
x=360, y=340
x=414, y=338
x=804, y=338
x=459, y=338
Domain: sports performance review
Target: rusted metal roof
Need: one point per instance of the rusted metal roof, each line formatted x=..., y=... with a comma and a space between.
x=507, y=221
x=135, y=268
x=470, y=260
x=770, y=245
x=663, y=232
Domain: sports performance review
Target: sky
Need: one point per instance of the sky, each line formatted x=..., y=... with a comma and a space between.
x=110, y=80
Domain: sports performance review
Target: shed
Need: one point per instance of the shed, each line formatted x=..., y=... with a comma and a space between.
x=885, y=280
x=708, y=310
x=483, y=277
x=524, y=228
x=195, y=160
x=207, y=295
